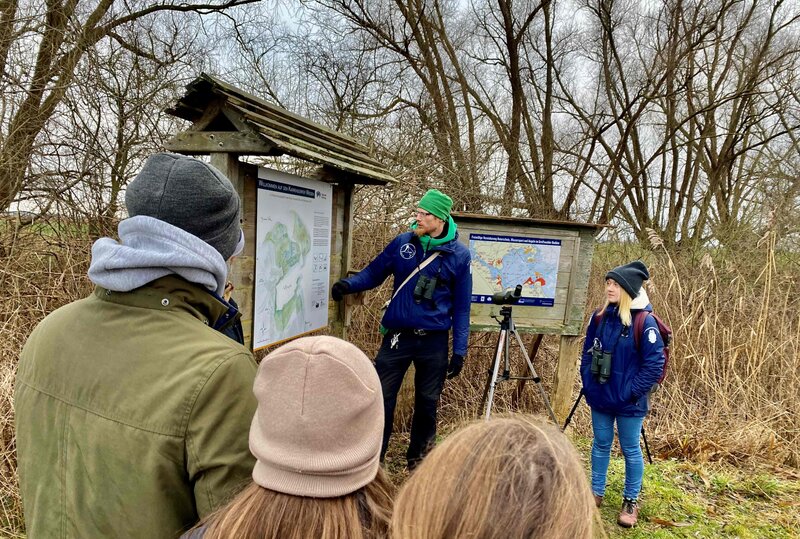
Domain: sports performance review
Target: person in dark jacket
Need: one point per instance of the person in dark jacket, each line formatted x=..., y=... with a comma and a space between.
x=617, y=380
x=421, y=313
x=234, y=330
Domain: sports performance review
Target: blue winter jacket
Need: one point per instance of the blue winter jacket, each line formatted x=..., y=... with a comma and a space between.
x=449, y=307
x=633, y=372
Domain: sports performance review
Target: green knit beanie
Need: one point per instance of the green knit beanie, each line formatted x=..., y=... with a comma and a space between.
x=437, y=203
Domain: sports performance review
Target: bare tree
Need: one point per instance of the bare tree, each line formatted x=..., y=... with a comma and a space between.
x=116, y=121
x=682, y=109
x=61, y=32
x=525, y=130
x=415, y=34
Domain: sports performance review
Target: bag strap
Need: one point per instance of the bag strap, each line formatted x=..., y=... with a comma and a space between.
x=416, y=270
x=419, y=268
x=425, y=262
x=638, y=327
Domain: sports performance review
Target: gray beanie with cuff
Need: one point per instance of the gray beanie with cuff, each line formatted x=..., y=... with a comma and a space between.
x=189, y=194
x=318, y=427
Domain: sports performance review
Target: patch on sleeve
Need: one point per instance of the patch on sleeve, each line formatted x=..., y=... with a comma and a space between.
x=651, y=335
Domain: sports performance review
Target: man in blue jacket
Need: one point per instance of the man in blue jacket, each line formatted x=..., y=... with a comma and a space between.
x=421, y=313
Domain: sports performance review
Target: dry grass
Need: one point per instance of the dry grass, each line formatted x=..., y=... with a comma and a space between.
x=732, y=392
x=734, y=382
x=734, y=388
x=41, y=270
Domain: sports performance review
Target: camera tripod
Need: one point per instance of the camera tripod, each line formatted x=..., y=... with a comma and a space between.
x=507, y=328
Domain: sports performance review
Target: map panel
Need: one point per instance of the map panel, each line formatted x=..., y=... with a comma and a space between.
x=293, y=236
x=503, y=262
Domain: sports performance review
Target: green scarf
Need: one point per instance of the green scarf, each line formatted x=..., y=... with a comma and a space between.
x=428, y=242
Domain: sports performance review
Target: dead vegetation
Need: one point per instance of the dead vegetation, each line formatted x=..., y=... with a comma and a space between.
x=734, y=380
x=731, y=395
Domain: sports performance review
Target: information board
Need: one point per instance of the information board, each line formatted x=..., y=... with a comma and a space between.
x=293, y=234
x=500, y=262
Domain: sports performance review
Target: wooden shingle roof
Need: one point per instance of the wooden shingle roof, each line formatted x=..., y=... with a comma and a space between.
x=230, y=120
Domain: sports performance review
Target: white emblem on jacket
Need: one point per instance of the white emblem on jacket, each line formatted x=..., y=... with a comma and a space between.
x=651, y=335
x=408, y=251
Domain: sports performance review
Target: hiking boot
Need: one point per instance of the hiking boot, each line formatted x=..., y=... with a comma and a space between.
x=598, y=500
x=629, y=514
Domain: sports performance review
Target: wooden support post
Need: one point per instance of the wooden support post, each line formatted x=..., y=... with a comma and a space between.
x=347, y=254
x=242, y=274
x=341, y=249
x=568, y=364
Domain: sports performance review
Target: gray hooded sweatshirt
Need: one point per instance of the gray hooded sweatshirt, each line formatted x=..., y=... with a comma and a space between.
x=149, y=249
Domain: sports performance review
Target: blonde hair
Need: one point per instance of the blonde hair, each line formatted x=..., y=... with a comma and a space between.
x=510, y=477
x=624, y=307
x=261, y=513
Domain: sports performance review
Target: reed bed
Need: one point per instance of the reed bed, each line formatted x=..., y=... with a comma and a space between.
x=733, y=385
x=733, y=388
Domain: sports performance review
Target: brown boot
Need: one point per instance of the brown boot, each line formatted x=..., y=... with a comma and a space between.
x=598, y=500
x=629, y=514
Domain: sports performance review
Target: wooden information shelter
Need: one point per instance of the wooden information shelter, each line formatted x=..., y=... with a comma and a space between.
x=228, y=123
x=565, y=316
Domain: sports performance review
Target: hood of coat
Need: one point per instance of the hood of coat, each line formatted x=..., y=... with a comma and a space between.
x=641, y=302
x=149, y=249
x=172, y=292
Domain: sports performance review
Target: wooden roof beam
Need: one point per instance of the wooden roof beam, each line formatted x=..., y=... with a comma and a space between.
x=206, y=142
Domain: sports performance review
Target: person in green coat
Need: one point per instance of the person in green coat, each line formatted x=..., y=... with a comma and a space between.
x=132, y=407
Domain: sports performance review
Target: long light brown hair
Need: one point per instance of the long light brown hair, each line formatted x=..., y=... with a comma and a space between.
x=261, y=513
x=511, y=477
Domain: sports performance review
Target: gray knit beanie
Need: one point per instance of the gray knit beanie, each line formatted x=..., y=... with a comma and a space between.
x=318, y=427
x=189, y=194
x=630, y=277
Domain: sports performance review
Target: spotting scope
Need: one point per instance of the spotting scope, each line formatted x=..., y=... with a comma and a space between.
x=508, y=297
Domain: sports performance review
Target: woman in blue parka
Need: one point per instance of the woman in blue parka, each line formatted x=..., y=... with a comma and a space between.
x=617, y=379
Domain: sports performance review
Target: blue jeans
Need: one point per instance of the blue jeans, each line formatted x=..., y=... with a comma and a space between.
x=628, y=429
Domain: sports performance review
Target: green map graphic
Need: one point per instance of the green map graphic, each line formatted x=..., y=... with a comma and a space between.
x=285, y=248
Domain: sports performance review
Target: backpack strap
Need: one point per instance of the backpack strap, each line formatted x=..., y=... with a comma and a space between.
x=638, y=327
x=597, y=316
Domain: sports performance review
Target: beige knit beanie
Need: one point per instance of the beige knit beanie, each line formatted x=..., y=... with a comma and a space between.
x=319, y=424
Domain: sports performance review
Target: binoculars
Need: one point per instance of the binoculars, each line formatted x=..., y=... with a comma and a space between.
x=601, y=364
x=424, y=288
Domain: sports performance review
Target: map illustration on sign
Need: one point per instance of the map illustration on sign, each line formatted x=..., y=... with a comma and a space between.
x=293, y=234
x=503, y=262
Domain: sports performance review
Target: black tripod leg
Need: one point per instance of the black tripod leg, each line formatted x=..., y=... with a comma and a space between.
x=646, y=446
x=572, y=412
